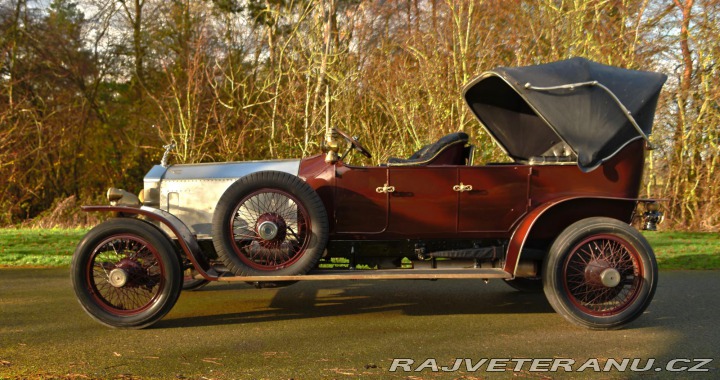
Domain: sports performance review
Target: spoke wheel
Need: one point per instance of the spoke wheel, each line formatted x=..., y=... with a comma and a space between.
x=270, y=223
x=600, y=273
x=271, y=229
x=126, y=274
x=591, y=270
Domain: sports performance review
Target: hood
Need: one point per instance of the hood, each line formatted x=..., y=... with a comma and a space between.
x=220, y=170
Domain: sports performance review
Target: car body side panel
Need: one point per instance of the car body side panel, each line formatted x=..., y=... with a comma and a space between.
x=425, y=205
x=619, y=177
x=498, y=199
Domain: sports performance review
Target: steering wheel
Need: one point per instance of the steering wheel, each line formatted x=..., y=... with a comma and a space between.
x=354, y=142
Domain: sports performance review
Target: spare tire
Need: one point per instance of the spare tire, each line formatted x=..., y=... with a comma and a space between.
x=270, y=223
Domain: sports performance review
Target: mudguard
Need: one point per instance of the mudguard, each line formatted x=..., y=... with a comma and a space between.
x=187, y=240
x=525, y=228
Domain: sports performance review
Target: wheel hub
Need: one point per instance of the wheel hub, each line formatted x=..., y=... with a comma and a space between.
x=267, y=230
x=610, y=277
x=271, y=228
x=130, y=273
x=602, y=274
x=118, y=277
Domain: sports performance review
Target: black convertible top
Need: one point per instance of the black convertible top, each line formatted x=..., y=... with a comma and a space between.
x=593, y=109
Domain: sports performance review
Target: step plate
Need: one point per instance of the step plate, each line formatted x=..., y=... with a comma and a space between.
x=381, y=274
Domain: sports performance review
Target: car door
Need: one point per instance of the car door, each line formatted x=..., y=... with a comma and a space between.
x=422, y=200
x=359, y=207
x=492, y=198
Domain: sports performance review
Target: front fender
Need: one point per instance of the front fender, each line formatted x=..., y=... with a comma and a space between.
x=187, y=240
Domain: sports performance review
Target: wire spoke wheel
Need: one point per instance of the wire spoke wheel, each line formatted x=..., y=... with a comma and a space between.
x=600, y=273
x=126, y=274
x=270, y=229
x=590, y=271
x=270, y=223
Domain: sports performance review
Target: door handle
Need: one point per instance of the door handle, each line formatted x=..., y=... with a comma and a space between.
x=385, y=189
x=461, y=187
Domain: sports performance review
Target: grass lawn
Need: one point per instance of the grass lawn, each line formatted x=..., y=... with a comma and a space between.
x=685, y=250
x=54, y=248
x=38, y=247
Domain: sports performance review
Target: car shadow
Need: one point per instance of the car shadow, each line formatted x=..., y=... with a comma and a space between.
x=318, y=299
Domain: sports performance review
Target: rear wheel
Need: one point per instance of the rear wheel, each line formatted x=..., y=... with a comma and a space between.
x=126, y=274
x=600, y=273
x=270, y=223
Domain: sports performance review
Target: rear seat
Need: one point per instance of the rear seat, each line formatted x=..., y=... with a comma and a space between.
x=560, y=153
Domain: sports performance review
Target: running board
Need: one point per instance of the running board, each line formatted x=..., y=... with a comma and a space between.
x=379, y=274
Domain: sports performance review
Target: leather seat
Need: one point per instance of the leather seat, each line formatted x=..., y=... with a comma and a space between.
x=448, y=150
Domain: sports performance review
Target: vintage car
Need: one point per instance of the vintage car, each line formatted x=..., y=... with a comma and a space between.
x=556, y=218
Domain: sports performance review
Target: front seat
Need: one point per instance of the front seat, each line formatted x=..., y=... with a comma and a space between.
x=448, y=150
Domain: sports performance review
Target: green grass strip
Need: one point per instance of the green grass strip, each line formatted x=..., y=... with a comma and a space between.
x=38, y=247
x=685, y=250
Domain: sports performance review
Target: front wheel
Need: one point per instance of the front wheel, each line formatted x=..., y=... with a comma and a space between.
x=600, y=273
x=126, y=274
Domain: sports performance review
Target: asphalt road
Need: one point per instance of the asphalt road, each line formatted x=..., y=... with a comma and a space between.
x=348, y=330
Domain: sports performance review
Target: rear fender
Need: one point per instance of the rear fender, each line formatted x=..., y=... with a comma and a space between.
x=549, y=219
x=187, y=240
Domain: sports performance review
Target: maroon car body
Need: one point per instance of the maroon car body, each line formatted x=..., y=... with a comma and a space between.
x=505, y=203
x=557, y=218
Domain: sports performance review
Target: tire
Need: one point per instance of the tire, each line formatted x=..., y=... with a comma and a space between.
x=126, y=274
x=270, y=223
x=526, y=284
x=600, y=273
